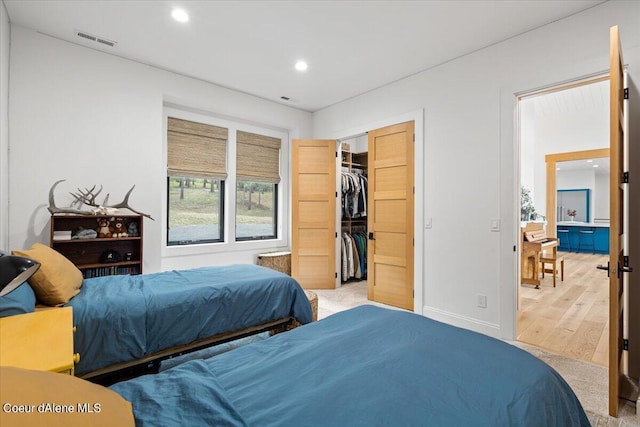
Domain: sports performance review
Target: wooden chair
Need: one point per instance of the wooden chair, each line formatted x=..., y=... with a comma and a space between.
x=553, y=260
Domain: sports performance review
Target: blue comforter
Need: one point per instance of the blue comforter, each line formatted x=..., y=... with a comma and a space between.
x=367, y=366
x=122, y=318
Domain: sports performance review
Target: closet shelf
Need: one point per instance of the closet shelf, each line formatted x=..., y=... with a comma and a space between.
x=359, y=165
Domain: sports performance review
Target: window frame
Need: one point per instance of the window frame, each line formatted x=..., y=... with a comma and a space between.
x=275, y=219
x=230, y=243
x=220, y=225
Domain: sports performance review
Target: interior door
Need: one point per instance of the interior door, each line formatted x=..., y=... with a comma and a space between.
x=390, y=215
x=618, y=262
x=313, y=213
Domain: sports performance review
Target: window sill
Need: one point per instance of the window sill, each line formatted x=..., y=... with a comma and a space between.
x=223, y=247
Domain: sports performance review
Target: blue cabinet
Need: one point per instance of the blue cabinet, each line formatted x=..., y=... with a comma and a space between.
x=583, y=238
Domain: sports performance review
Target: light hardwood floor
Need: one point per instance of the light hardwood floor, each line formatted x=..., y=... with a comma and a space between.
x=571, y=319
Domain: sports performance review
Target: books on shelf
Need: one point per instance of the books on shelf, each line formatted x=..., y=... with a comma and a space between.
x=62, y=235
x=110, y=271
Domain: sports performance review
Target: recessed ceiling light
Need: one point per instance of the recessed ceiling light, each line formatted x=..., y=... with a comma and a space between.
x=595, y=166
x=180, y=15
x=557, y=169
x=301, y=65
x=590, y=161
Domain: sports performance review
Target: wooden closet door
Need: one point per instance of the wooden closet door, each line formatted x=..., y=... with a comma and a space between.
x=313, y=254
x=390, y=215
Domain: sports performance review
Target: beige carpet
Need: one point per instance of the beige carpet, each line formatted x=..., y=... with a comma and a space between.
x=588, y=381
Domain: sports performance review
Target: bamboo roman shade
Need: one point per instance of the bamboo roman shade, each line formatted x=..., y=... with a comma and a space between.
x=196, y=150
x=258, y=157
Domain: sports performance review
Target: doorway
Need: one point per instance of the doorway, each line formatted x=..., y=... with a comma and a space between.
x=416, y=210
x=377, y=213
x=563, y=133
x=388, y=206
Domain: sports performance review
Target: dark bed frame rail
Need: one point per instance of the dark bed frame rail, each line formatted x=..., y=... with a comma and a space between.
x=151, y=363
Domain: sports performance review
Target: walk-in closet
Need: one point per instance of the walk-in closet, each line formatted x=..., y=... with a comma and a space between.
x=353, y=208
x=353, y=213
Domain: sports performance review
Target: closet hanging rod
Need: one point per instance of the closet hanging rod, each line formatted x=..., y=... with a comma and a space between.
x=346, y=138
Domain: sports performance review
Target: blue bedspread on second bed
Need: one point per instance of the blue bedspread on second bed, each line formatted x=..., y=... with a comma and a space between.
x=122, y=318
x=367, y=366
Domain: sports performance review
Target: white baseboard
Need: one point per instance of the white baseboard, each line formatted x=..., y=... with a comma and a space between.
x=476, y=325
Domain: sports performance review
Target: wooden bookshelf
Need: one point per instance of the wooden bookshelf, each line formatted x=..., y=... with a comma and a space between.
x=86, y=253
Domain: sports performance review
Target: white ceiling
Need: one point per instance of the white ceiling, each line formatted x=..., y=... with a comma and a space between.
x=577, y=100
x=351, y=46
x=599, y=165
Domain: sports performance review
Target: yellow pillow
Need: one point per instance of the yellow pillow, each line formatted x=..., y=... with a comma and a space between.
x=35, y=398
x=57, y=280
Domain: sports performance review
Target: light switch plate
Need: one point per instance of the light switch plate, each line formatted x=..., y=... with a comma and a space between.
x=495, y=224
x=427, y=223
x=482, y=301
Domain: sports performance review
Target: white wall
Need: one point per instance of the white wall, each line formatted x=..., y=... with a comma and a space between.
x=601, y=196
x=528, y=145
x=578, y=179
x=567, y=180
x=359, y=144
x=93, y=118
x=470, y=158
x=567, y=132
x=5, y=43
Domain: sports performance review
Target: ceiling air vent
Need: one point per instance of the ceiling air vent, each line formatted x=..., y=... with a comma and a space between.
x=107, y=42
x=86, y=36
x=96, y=39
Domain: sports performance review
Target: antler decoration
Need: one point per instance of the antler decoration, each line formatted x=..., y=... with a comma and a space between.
x=125, y=204
x=88, y=197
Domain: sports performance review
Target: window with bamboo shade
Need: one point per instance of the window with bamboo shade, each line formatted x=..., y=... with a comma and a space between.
x=258, y=175
x=196, y=171
x=212, y=160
